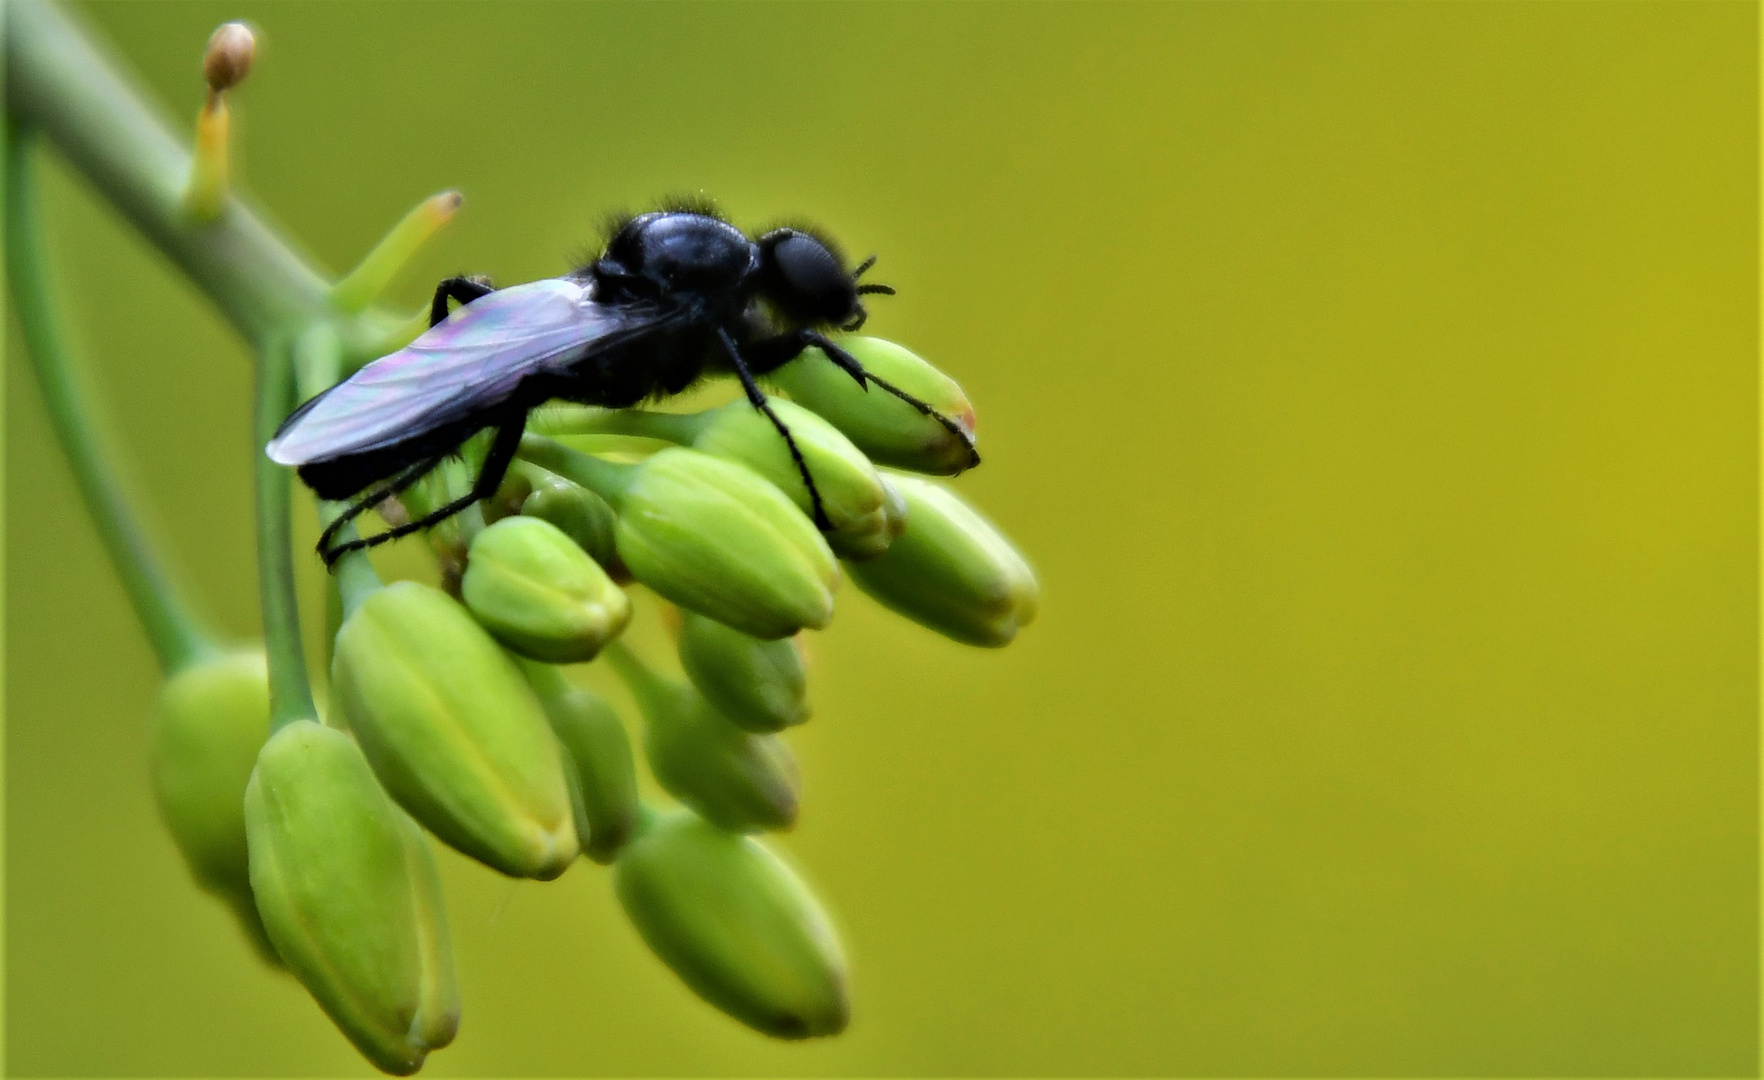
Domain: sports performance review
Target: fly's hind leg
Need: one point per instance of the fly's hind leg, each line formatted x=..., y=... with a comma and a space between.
x=496, y=463
x=463, y=289
x=403, y=479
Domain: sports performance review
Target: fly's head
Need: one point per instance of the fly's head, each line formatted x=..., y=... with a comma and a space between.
x=804, y=278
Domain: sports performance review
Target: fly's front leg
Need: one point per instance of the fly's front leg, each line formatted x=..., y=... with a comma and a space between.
x=758, y=400
x=771, y=354
x=462, y=289
x=789, y=346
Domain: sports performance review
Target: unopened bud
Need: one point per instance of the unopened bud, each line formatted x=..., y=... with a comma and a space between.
x=540, y=594
x=601, y=766
x=583, y=516
x=760, y=685
x=715, y=538
x=739, y=780
x=952, y=570
x=228, y=57
x=888, y=429
x=453, y=730
x=852, y=495
x=347, y=888
x=737, y=925
x=207, y=726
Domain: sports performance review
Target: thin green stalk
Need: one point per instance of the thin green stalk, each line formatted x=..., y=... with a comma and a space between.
x=585, y=420
x=176, y=635
x=290, y=691
x=605, y=478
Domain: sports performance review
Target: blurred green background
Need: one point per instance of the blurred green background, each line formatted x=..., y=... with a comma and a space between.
x=1373, y=385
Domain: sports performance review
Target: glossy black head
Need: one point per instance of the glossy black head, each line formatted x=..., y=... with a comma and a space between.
x=803, y=276
x=675, y=252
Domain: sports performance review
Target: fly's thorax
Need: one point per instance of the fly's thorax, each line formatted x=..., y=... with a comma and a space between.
x=682, y=252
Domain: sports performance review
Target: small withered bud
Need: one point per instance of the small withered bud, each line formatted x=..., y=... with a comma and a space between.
x=227, y=60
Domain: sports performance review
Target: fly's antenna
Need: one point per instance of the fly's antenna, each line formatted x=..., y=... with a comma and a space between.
x=869, y=290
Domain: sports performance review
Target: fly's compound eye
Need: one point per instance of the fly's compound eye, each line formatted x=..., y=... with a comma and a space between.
x=806, y=277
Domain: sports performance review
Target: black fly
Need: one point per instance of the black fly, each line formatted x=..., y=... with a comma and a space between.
x=676, y=293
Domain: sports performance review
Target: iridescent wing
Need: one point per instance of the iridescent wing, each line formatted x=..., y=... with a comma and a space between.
x=471, y=362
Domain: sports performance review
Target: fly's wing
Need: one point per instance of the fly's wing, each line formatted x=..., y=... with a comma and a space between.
x=472, y=361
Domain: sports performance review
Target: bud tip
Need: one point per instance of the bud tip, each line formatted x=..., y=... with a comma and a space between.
x=227, y=60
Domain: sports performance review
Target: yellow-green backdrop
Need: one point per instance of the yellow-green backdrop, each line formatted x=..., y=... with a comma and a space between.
x=1373, y=385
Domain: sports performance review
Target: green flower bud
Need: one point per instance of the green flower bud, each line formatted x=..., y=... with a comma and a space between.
x=540, y=594
x=347, y=887
x=453, y=730
x=737, y=925
x=852, y=495
x=739, y=780
x=210, y=721
x=713, y=537
x=583, y=516
x=600, y=765
x=883, y=426
x=951, y=570
x=760, y=685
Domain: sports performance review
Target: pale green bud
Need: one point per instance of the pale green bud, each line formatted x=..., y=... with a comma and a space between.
x=883, y=426
x=347, y=888
x=951, y=570
x=737, y=925
x=760, y=685
x=715, y=538
x=206, y=728
x=453, y=730
x=583, y=516
x=540, y=594
x=852, y=495
x=739, y=780
x=600, y=765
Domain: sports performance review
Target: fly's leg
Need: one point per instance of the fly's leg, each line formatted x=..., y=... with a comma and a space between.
x=759, y=402
x=463, y=289
x=784, y=348
x=403, y=479
x=496, y=462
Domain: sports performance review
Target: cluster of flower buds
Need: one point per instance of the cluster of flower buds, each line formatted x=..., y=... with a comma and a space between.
x=461, y=719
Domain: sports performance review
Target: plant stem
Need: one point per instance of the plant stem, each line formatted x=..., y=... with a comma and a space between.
x=679, y=428
x=605, y=478
x=290, y=692
x=175, y=633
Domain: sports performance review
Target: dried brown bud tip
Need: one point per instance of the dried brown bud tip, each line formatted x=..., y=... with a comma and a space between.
x=228, y=59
